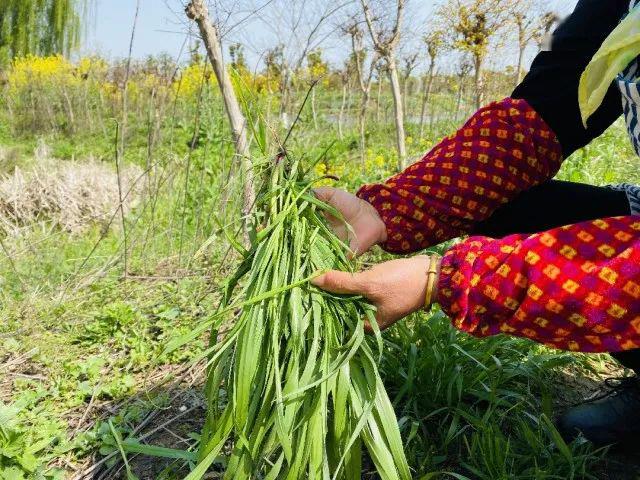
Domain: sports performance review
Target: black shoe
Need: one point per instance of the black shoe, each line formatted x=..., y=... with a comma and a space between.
x=612, y=418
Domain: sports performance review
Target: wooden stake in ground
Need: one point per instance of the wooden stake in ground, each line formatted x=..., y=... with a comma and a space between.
x=197, y=11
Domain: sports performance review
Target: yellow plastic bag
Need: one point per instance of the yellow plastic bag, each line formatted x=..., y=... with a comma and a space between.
x=620, y=48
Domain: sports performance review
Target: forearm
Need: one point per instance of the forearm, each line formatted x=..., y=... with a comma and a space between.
x=504, y=149
x=554, y=204
x=574, y=288
x=549, y=96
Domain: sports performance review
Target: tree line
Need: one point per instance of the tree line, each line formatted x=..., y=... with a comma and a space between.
x=378, y=36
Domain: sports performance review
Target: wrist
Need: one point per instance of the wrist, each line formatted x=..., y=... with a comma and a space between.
x=382, y=231
x=380, y=226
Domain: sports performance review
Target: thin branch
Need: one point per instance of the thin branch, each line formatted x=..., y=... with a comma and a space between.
x=251, y=14
x=395, y=35
x=374, y=36
x=310, y=38
x=295, y=122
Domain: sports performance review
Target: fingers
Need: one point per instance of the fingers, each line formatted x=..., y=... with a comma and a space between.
x=328, y=196
x=353, y=284
x=341, y=282
x=325, y=194
x=344, y=202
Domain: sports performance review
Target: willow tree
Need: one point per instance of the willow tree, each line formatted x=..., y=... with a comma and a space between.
x=40, y=27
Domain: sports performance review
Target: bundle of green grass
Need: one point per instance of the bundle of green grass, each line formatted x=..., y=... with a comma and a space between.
x=293, y=389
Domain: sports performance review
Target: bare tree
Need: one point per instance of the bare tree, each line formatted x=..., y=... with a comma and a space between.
x=472, y=24
x=464, y=69
x=548, y=21
x=345, y=82
x=380, y=74
x=318, y=68
x=197, y=11
x=409, y=64
x=364, y=75
x=435, y=41
x=385, y=42
x=530, y=24
x=299, y=28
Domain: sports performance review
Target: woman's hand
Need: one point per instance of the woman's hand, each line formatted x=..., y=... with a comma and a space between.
x=367, y=228
x=396, y=288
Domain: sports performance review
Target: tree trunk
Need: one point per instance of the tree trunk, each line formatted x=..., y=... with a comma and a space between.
x=379, y=99
x=314, y=112
x=405, y=96
x=520, y=62
x=341, y=114
x=398, y=112
x=349, y=105
x=459, y=99
x=197, y=11
x=479, y=84
x=426, y=95
x=432, y=117
x=362, y=120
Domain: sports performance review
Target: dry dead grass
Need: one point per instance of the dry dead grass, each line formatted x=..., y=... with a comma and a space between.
x=66, y=195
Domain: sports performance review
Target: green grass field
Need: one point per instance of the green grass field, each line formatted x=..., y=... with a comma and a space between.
x=82, y=339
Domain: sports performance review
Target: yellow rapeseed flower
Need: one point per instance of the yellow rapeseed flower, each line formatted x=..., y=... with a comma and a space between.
x=191, y=80
x=32, y=69
x=320, y=169
x=92, y=67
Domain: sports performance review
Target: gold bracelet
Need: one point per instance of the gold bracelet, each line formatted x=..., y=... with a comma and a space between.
x=432, y=275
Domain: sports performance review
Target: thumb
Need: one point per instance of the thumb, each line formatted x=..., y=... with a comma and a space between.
x=324, y=194
x=340, y=282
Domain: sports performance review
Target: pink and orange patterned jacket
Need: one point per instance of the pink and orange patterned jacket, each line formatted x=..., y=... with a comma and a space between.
x=575, y=288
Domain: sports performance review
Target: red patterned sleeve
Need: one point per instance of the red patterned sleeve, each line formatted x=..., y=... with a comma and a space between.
x=504, y=149
x=574, y=288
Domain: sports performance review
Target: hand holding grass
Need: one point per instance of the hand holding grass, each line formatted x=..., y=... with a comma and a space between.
x=367, y=228
x=397, y=288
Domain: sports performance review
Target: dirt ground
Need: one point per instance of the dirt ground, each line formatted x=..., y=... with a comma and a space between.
x=172, y=426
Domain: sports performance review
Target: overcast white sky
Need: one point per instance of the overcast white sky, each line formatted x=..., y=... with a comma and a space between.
x=161, y=28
